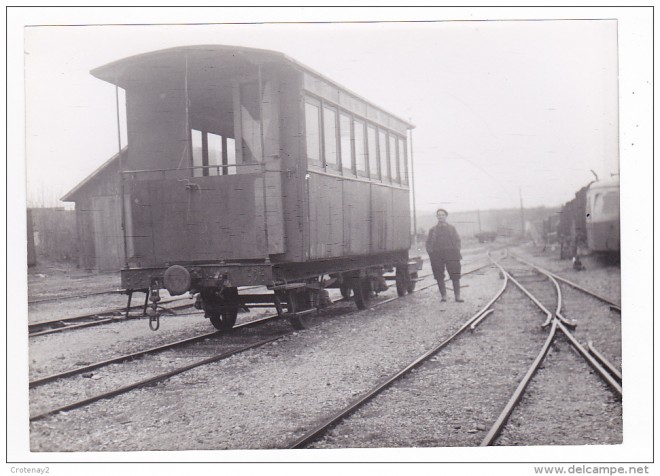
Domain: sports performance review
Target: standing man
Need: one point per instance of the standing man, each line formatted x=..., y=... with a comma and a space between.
x=444, y=248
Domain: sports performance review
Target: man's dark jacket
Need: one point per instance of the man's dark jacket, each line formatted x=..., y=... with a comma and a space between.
x=444, y=243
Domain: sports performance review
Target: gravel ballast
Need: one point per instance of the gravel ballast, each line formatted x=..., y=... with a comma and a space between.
x=269, y=396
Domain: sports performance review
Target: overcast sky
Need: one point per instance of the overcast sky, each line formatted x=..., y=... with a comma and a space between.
x=499, y=107
x=503, y=109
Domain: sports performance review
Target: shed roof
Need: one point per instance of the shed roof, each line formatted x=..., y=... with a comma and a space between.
x=74, y=193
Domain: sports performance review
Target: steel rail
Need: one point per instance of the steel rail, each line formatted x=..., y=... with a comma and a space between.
x=152, y=350
x=599, y=363
x=37, y=325
x=611, y=303
x=517, y=395
x=317, y=431
x=447, y=280
x=502, y=419
x=155, y=379
x=160, y=377
x=497, y=427
x=98, y=293
x=594, y=364
x=124, y=358
x=76, y=296
x=614, y=385
x=474, y=325
x=83, y=325
x=549, y=315
x=558, y=314
x=610, y=367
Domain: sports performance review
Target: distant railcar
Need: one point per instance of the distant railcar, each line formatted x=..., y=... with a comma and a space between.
x=591, y=220
x=485, y=236
x=603, y=217
x=245, y=167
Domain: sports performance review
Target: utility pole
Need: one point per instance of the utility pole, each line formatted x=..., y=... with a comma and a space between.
x=412, y=186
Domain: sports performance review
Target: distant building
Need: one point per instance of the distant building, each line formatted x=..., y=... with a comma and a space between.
x=51, y=235
x=31, y=249
x=98, y=218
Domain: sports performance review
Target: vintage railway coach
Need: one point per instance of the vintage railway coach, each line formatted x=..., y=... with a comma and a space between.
x=245, y=167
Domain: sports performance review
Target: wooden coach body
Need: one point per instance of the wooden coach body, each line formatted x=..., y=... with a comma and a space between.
x=246, y=162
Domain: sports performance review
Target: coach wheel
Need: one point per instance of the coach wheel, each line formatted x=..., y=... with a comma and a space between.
x=412, y=280
x=221, y=307
x=223, y=320
x=299, y=302
x=362, y=291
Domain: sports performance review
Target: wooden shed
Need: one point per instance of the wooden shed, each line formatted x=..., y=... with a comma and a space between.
x=98, y=218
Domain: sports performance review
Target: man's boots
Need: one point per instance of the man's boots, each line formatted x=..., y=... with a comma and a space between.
x=457, y=290
x=443, y=290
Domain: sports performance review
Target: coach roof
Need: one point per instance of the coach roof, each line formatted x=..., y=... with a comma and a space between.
x=198, y=58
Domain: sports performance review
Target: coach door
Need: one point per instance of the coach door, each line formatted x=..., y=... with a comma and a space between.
x=257, y=127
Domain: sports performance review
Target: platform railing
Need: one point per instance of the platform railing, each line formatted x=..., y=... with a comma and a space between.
x=217, y=168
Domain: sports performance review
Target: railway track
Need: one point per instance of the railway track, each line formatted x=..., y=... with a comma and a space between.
x=599, y=317
x=59, y=377
x=538, y=285
x=322, y=428
x=614, y=306
x=555, y=321
x=87, y=295
x=75, y=296
x=96, y=319
x=557, y=325
x=136, y=355
x=108, y=316
x=156, y=378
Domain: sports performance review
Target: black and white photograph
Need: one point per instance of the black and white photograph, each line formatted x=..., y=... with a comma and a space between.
x=386, y=235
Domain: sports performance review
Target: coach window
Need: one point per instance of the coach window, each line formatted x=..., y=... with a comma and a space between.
x=373, y=158
x=360, y=150
x=394, y=158
x=403, y=158
x=606, y=205
x=231, y=156
x=214, y=153
x=345, y=142
x=313, y=132
x=330, y=138
x=611, y=203
x=206, y=153
x=385, y=174
x=250, y=117
x=197, y=152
